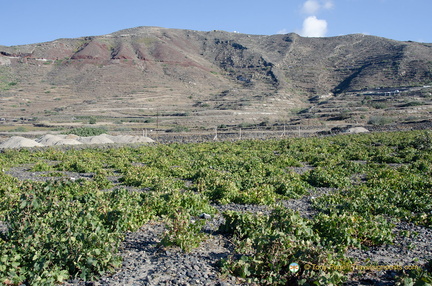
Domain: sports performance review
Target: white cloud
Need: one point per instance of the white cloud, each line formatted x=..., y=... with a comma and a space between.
x=328, y=5
x=313, y=27
x=313, y=7
x=283, y=31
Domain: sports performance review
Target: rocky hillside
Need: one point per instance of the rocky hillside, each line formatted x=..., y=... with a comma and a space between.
x=146, y=70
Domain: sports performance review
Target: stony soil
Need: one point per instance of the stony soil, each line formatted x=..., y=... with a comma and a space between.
x=147, y=263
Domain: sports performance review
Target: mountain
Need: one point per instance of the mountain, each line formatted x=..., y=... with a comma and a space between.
x=211, y=77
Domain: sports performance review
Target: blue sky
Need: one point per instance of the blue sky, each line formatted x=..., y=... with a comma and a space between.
x=33, y=21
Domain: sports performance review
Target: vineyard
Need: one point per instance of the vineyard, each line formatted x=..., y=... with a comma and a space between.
x=70, y=222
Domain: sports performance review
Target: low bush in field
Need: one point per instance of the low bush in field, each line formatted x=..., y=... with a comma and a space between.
x=380, y=120
x=87, y=131
x=182, y=231
x=267, y=245
x=417, y=277
x=56, y=231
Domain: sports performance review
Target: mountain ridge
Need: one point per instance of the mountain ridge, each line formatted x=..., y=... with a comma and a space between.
x=177, y=70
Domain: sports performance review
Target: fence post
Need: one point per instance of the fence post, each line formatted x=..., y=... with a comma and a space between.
x=216, y=134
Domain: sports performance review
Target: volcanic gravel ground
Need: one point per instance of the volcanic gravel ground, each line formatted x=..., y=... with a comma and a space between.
x=146, y=263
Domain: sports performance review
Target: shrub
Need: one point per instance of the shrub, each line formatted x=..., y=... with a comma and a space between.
x=19, y=129
x=87, y=131
x=41, y=166
x=416, y=277
x=380, y=120
x=321, y=177
x=54, y=234
x=266, y=246
x=179, y=128
x=183, y=231
x=423, y=141
x=353, y=230
x=379, y=105
x=412, y=103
